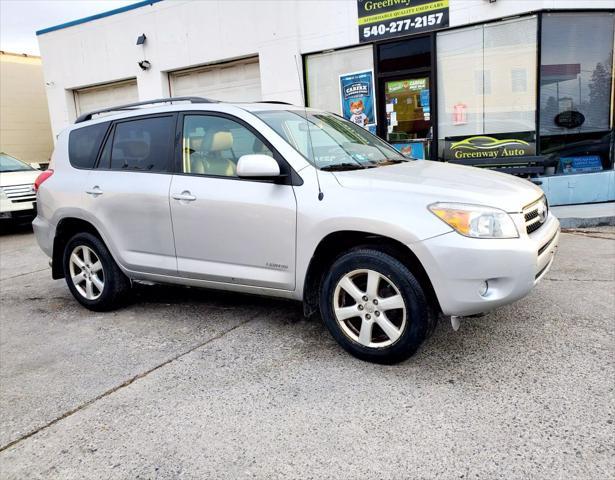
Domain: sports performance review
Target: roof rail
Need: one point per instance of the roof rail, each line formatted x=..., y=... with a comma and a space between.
x=276, y=102
x=131, y=106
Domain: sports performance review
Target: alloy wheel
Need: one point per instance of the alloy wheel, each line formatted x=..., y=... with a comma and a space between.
x=86, y=272
x=369, y=308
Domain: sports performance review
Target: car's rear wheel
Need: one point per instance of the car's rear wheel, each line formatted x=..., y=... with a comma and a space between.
x=92, y=275
x=374, y=307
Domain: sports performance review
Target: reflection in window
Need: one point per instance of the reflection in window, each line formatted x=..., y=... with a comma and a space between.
x=499, y=61
x=575, y=72
x=143, y=145
x=519, y=80
x=322, y=71
x=326, y=140
x=575, y=91
x=83, y=144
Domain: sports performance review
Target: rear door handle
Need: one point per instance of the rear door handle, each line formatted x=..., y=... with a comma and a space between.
x=185, y=196
x=95, y=191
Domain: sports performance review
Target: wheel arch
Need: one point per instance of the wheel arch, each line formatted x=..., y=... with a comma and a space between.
x=337, y=243
x=65, y=230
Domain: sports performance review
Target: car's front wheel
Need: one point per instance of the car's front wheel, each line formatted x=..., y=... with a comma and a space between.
x=374, y=307
x=92, y=275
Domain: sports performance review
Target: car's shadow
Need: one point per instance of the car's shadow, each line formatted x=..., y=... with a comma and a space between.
x=442, y=342
x=178, y=295
x=11, y=227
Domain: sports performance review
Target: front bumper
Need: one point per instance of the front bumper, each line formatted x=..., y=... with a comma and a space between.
x=21, y=212
x=16, y=208
x=458, y=266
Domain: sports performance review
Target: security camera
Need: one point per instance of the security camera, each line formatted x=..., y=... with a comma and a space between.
x=145, y=64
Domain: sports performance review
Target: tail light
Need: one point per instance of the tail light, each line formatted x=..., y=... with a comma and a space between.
x=41, y=178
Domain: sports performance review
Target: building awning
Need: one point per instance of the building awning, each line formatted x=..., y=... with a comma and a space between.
x=559, y=72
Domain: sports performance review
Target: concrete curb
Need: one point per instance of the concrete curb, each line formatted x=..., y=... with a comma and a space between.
x=576, y=222
x=585, y=215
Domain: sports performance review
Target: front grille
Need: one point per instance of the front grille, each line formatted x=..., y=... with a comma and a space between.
x=20, y=193
x=536, y=214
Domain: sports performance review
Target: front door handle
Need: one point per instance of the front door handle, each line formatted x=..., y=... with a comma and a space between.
x=95, y=191
x=185, y=196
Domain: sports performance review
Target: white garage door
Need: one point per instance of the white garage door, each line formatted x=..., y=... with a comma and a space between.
x=103, y=96
x=238, y=81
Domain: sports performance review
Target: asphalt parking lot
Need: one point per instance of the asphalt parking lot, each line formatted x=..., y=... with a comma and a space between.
x=188, y=383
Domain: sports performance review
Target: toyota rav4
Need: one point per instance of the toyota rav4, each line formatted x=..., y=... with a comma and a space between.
x=284, y=201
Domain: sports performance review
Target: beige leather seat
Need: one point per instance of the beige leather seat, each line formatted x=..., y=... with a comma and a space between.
x=211, y=161
x=195, y=153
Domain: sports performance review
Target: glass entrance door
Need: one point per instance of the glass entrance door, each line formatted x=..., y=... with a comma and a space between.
x=408, y=115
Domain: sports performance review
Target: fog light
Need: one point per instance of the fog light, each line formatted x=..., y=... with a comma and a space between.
x=483, y=289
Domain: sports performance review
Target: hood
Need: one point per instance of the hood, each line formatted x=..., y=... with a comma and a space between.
x=445, y=182
x=18, y=178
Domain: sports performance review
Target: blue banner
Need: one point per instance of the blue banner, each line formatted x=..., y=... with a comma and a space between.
x=414, y=150
x=357, y=97
x=581, y=164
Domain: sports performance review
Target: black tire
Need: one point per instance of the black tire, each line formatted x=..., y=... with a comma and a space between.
x=418, y=312
x=116, y=285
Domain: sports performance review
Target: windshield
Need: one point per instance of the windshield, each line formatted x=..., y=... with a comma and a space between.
x=10, y=164
x=329, y=142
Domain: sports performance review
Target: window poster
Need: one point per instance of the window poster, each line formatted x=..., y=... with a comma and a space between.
x=357, y=97
x=580, y=164
x=415, y=150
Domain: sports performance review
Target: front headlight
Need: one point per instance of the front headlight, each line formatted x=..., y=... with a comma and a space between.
x=476, y=221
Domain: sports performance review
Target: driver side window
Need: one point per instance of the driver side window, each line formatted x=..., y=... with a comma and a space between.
x=213, y=145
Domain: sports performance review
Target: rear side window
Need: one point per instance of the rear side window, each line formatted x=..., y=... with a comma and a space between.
x=143, y=145
x=84, y=143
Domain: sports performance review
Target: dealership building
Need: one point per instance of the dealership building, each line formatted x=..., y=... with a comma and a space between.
x=522, y=86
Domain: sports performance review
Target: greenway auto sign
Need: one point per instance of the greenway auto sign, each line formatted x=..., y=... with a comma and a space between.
x=486, y=147
x=380, y=19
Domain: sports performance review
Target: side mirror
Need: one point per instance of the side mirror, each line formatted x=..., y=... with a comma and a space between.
x=257, y=166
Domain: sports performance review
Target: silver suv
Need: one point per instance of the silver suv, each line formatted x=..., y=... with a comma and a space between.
x=289, y=202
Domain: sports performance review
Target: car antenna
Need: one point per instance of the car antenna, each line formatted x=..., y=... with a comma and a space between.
x=321, y=195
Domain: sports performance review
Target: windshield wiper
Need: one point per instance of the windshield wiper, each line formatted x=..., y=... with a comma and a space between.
x=339, y=167
x=392, y=161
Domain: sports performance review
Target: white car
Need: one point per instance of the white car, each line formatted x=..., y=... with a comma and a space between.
x=287, y=202
x=17, y=195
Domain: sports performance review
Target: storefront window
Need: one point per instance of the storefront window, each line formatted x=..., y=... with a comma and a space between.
x=323, y=71
x=407, y=109
x=460, y=82
x=404, y=69
x=487, y=90
x=575, y=90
